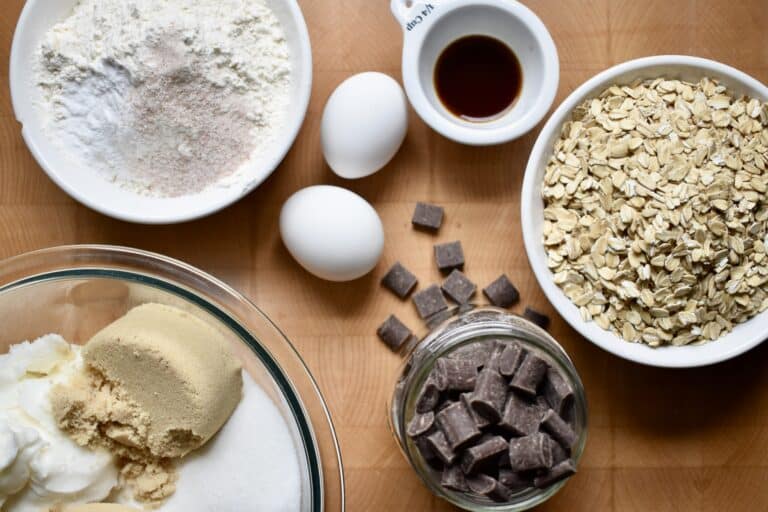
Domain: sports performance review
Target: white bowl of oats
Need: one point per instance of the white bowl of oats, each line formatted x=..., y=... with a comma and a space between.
x=645, y=211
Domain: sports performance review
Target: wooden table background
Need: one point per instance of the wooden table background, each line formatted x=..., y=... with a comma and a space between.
x=659, y=440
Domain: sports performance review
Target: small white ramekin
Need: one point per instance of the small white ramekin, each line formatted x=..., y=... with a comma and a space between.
x=430, y=26
x=87, y=186
x=743, y=337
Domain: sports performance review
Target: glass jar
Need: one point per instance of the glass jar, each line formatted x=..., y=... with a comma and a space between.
x=462, y=328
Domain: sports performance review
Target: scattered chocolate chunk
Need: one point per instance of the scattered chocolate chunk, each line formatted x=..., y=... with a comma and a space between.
x=420, y=423
x=489, y=395
x=399, y=280
x=563, y=470
x=459, y=288
x=559, y=429
x=515, y=481
x=429, y=396
x=429, y=301
x=480, y=421
x=520, y=418
x=459, y=374
x=438, y=318
x=529, y=375
x=530, y=452
x=510, y=359
x=439, y=444
x=484, y=485
x=449, y=256
x=427, y=216
x=453, y=478
x=458, y=425
x=394, y=333
x=557, y=391
x=484, y=455
x=502, y=293
x=537, y=318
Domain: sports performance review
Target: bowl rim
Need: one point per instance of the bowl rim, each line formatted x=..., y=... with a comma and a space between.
x=680, y=357
x=169, y=215
x=189, y=283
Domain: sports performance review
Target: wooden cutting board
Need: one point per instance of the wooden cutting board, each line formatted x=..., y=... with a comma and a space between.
x=659, y=440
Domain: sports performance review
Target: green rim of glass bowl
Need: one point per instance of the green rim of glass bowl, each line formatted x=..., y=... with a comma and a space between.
x=301, y=417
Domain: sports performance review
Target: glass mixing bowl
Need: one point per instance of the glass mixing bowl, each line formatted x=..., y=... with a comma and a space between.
x=75, y=291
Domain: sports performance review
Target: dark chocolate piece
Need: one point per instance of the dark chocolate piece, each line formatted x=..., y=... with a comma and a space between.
x=427, y=453
x=489, y=395
x=484, y=485
x=439, y=444
x=557, y=391
x=429, y=301
x=477, y=352
x=453, y=478
x=502, y=293
x=484, y=455
x=529, y=375
x=520, y=418
x=429, y=395
x=459, y=374
x=458, y=425
x=459, y=288
x=399, y=280
x=530, y=452
x=420, y=423
x=427, y=216
x=510, y=359
x=449, y=256
x=394, y=333
x=563, y=470
x=559, y=454
x=495, y=349
x=515, y=481
x=480, y=421
x=537, y=318
x=559, y=430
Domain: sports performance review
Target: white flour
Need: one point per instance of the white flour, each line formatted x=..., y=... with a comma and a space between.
x=165, y=97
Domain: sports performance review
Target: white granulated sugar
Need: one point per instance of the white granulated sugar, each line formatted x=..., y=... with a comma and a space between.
x=165, y=97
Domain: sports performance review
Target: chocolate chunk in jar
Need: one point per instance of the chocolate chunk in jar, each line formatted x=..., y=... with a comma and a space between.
x=394, y=333
x=458, y=425
x=427, y=216
x=560, y=472
x=449, y=256
x=510, y=358
x=427, y=453
x=489, y=395
x=453, y=478
x=484, y=485
x=420, y=423
x=438, y=442
x=429, y=301
x=529, y=374
x=459, y=374
x=530, y=452
x=515, y=481
x=520, y=417
x=459, y=288
x=477, y=352
x=502, y=293
x=559, y=429
x=484, y=455
x=537, y=318
x=399, y=280
x=557, y=391
x=480, y=421
x=429, y=396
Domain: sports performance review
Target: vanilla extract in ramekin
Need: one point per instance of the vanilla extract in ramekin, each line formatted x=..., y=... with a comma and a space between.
x=489, y=330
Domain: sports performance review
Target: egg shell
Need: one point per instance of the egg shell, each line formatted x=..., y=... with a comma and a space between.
x=364, y=123
x=333, y=233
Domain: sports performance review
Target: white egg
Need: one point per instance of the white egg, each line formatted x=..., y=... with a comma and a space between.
x=333, y=233
x=364, y=124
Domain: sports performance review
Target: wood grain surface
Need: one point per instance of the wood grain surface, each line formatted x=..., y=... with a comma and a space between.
x=659, y=440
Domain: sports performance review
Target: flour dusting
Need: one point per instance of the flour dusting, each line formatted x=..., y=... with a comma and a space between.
x=165, y=97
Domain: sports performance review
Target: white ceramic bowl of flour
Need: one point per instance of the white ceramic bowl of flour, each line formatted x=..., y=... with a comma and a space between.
x=88, y=186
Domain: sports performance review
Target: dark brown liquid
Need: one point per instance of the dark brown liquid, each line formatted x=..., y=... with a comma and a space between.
x=477, y=77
